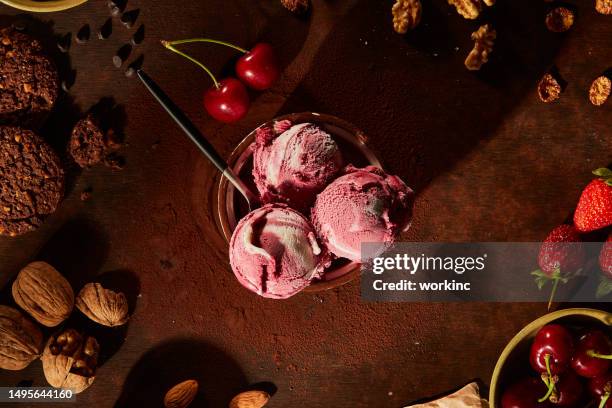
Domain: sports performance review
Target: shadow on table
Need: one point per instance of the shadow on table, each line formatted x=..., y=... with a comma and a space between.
x=412, y=95
x=219, y=377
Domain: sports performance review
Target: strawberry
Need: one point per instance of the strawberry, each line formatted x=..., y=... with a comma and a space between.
x=605, y=263
x=594, y=210
x=561, y=256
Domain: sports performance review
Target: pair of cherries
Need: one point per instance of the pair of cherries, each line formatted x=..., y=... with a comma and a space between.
x=228, y=100
x=561, y=363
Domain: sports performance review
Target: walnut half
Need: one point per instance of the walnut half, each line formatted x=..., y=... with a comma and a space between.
x=406, y=15
x=484, y=38
x=469, y=9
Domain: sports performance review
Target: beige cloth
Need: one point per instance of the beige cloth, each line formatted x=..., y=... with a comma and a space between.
x=467, y=397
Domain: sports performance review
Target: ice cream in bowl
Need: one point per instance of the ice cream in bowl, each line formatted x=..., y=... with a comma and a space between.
x=323, y=193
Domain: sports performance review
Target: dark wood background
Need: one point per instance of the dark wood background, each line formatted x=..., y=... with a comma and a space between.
x=488, y=160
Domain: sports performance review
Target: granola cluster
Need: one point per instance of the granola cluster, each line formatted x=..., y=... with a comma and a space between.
x=559, y=19
x=484, y=38
x=600, y=90
x=406, y=15
x=603, y=6
x=549, y=88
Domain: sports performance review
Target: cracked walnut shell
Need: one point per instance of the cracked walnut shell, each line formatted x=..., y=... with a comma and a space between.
x=406, y=15
x=20, y=339
x=469, y=9
x=549, y=89
x=484, y=38
x=603, y=6
x=600, y=90
x=103, y=306
x=181, y=395
x=70, y=360
x=559, y=19
x=43, y=293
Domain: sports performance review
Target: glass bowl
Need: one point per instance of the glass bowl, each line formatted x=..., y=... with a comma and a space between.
x=231, y=206
x=43, y=6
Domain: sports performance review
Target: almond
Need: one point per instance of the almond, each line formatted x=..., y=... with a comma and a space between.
x=181, y=395
x=250, y=399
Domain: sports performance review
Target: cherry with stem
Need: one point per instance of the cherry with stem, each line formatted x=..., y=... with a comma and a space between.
x=257, y=68
x=227, y=101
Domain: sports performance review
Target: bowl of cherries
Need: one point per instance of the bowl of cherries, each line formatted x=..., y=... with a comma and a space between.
x=562, y=359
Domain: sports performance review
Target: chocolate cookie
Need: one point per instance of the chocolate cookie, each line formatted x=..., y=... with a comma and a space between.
x=31, y=180
x=89, y=144
x=28, y=79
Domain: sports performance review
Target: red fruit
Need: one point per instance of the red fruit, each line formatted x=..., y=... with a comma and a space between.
x=568, y=390
x=601, y=387
x=594, y=210
x=605, y=257
x=258, y=67
x=559, y=251
x=556, y=342
x=585, y=365
x=524, y=394
x=227, y=103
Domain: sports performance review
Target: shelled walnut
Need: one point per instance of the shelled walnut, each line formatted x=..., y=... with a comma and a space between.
x=70, y=360
x=484, y=38
x=469, y=9
x=406, y=15
x=20, y=340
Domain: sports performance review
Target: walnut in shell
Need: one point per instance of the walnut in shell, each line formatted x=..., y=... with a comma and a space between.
x=469, y=9
x=20, y=340
x=603, y=6
x=549, y=89
x=406, y=15
x=103, y=306
x=43, y=293
x=181, y=395
x=600, y=90
x=484, y=38
x=250, y=399
x=70, y=360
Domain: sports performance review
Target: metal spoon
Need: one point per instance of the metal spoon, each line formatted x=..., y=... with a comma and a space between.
x=200, y=141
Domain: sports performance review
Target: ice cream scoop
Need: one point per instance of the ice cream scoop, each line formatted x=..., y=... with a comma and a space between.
x=292, y=163
x=274, y=252
x=363, y=205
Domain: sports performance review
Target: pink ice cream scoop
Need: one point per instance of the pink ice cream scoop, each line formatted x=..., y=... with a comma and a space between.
x=274, y=252
x=363, y=205
x=292, y=163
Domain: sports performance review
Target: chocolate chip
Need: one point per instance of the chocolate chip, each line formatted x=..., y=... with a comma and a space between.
x=138, y=36
x=122, y=54
x=83, y=34
x=130, y=71
x=129, y=17
x=64, y=42
x=106, y=30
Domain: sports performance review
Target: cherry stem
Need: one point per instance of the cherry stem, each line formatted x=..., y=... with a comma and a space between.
x=604, y=399
x=208, y=40
x=169, y=46
x=550, y=383
x=554, y=290
x=593, y=353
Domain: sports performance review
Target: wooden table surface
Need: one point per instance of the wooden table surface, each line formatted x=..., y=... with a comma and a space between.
x=488, y=160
